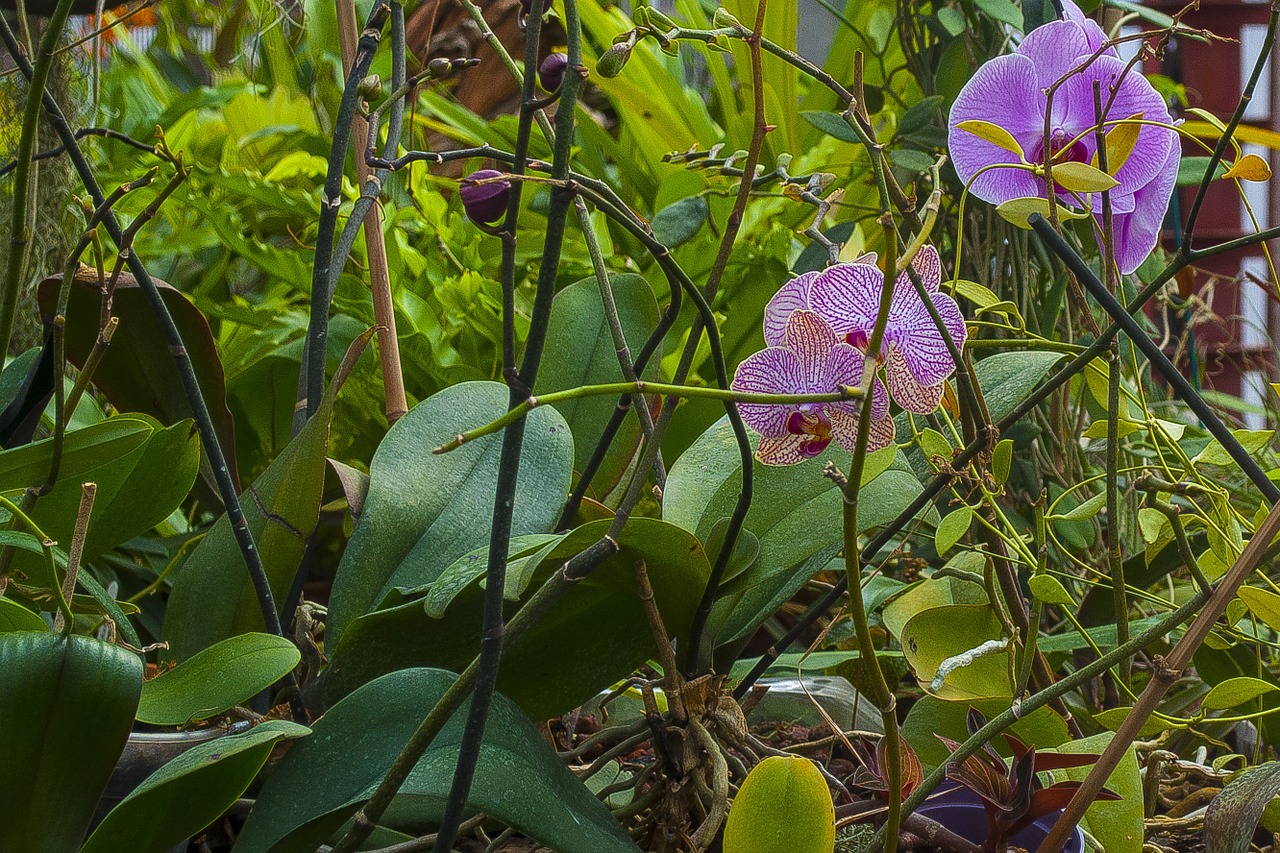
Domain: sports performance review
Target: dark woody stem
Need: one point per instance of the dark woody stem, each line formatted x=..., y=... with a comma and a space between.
x=311, y=379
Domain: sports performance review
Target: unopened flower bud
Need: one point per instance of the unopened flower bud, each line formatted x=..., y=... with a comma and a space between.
x=485, y=203
x=440, y=67
x=724, y=18
x=613, y=60
x=551, y=71
x=370, y=87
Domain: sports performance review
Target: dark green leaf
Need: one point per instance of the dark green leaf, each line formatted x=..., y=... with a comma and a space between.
x=519, y=780
x=1191, y=171
x=15, y=617
x=66, y=707
x=580, y=351
x=551, y=669
x=424, y=510
x=1003, y=11
x=680, y=221
x=831, y=124
x=1008, y=377
x=189, y=793
x=215, y=679
x=920, y=116
x=911, y=160
x=213, y=596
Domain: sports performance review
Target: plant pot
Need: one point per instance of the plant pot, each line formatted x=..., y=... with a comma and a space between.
x=147, y=752
x=959, y=812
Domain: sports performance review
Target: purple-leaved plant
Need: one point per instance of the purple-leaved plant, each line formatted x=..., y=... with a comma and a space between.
x=914, y=354
x=807, y=358
x=1010, y=92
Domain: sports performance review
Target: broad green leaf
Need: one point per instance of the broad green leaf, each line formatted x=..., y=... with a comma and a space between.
x=952, y=21
x=215, y=679
x=580, y=351
x=795, y=514
x=66, y=707
x=1191, y=171
x=936, y=592
x=532, y=548
x=1002, y=10
x=213, y=597
x=1082, y=178
x=877, y=462
x=15, y=617
x=519, y=781
x=1264, y=604
x=550, y=670
x=1115, y=823
x=190, y=792
x=1050, y=590
x=978, y=294
x=1008, y=377
x=1233, y=815
x=952, y=528
x=993, y=133
x=137, y=372
x=1234, y=692
x=946, y=648
x=425, y=510
x=675, y=224
x=141, y=478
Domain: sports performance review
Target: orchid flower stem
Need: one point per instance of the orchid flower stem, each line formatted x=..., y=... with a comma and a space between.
x=845, y=392
x=311, y=379
x=881, y=695
x=19, y=228
x=209, y=440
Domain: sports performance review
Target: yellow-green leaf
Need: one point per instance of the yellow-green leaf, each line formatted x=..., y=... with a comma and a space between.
x=783, y=804
x=1050, y=590
x=1250, y=167
x=1082, y=178
x=1264, y=604
x=1019, y=210
x=1112, y=718
x=1120, y=141
x=951, y=529
x=1235, y=691
x=993, y=133
x=1002, y=460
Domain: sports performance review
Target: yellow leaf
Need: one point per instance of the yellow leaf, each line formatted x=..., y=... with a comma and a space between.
x=993, y=133
x=1019, y=210
x=1244, y=133
x=1082, y=178
x=1120, y=142
x=1250, y=167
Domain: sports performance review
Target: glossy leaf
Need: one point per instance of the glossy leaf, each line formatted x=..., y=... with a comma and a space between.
x=424, y=511
x=1234, y=692
x=784, y=803
x=215, y=679
x=1050, y=590
x=15, y=617
x=213, y=597
x=1250, y=167
x=580, y=351
x=66, y=708
x=946, y=647
x=190, y=792
x=795, y=515
x=519, y=781
x=143, y=470
x=1041, y=728
x=551, y=669
x=1263, y=603
x=1008, y=377
x=1116, y=823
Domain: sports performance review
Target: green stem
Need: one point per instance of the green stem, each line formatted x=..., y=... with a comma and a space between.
x=644, y=387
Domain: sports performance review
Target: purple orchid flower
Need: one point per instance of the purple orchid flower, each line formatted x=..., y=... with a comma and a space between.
x=916, y=359
x=807, y=358
x=1009, y=91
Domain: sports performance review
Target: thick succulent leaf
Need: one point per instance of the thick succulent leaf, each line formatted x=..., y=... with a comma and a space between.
x=217, y=678
x=66, y=708
x=423, y=511
x=188, y=793
x=519, y=781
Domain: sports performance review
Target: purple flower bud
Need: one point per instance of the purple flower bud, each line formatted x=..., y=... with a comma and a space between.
x=485, y=203
x=551, y=71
